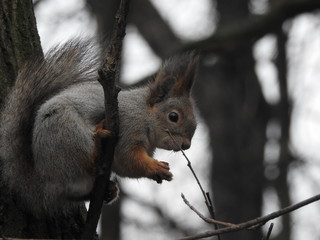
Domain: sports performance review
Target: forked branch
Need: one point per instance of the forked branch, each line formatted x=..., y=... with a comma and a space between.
x=254, y=223
x=251, y=224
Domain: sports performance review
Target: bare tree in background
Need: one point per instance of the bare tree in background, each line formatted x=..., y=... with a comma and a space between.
x=230, y=98
x=237, y=123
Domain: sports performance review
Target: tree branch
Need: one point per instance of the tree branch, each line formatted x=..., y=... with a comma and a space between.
x=108, y=74
x=208, y=220
x=151, y=25
x=230, y=37
x=255, y=222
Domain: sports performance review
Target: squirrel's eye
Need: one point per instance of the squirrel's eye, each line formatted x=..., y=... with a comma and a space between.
x=173, y=117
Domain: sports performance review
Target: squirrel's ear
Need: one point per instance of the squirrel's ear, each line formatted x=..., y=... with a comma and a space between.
x=187, y=73
x=176, y=77
x=160, y=88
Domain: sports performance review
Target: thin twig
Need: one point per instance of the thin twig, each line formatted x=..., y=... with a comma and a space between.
x=204, y=193
x=210, y=206
x=193, y=172
x=254, y=222
x=208, y=220
x=269, y=232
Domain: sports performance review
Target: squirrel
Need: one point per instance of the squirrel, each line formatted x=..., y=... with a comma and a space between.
x=50, y=118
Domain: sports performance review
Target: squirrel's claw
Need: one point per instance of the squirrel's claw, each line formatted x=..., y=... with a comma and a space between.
x=163, y=172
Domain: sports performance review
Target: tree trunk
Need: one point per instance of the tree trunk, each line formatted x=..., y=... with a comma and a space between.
x=235, y=117
x=19, y=39
x=237, y=136
x=20, y=42
x=284, y=117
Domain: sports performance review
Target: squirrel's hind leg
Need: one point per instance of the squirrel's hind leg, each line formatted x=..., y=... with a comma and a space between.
x=62, y=148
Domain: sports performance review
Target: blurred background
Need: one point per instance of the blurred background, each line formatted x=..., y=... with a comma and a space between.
x=256, y=147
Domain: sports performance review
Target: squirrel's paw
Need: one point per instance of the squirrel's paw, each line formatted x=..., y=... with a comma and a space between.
x=162, y=172
x=98, y=136
x=112, y=193
x=100, y=133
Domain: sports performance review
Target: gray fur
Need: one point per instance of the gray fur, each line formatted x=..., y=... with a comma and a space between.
x=48, y=125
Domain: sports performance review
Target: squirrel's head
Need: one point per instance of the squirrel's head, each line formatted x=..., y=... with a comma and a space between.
x=171, y=104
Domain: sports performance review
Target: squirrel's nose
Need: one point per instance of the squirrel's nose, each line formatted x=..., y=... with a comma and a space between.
x=186, y=145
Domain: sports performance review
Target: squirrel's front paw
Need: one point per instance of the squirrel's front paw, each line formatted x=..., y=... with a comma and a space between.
x=162, y=172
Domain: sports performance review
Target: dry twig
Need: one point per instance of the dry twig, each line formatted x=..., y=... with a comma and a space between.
x=269, y=232
x=208, y=220
x=251, y=224
x=254, y=222
x=205, y=194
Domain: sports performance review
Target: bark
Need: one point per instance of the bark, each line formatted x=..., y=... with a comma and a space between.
x=109, y=74
x=19, y=39
x=19, y=42
x=104, y=12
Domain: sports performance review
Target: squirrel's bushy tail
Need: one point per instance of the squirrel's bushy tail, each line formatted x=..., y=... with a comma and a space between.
x=64, y=65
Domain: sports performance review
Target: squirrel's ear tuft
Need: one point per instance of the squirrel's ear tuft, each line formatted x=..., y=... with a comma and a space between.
x=176, y=77
x=187, y=73
x=160, y=89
